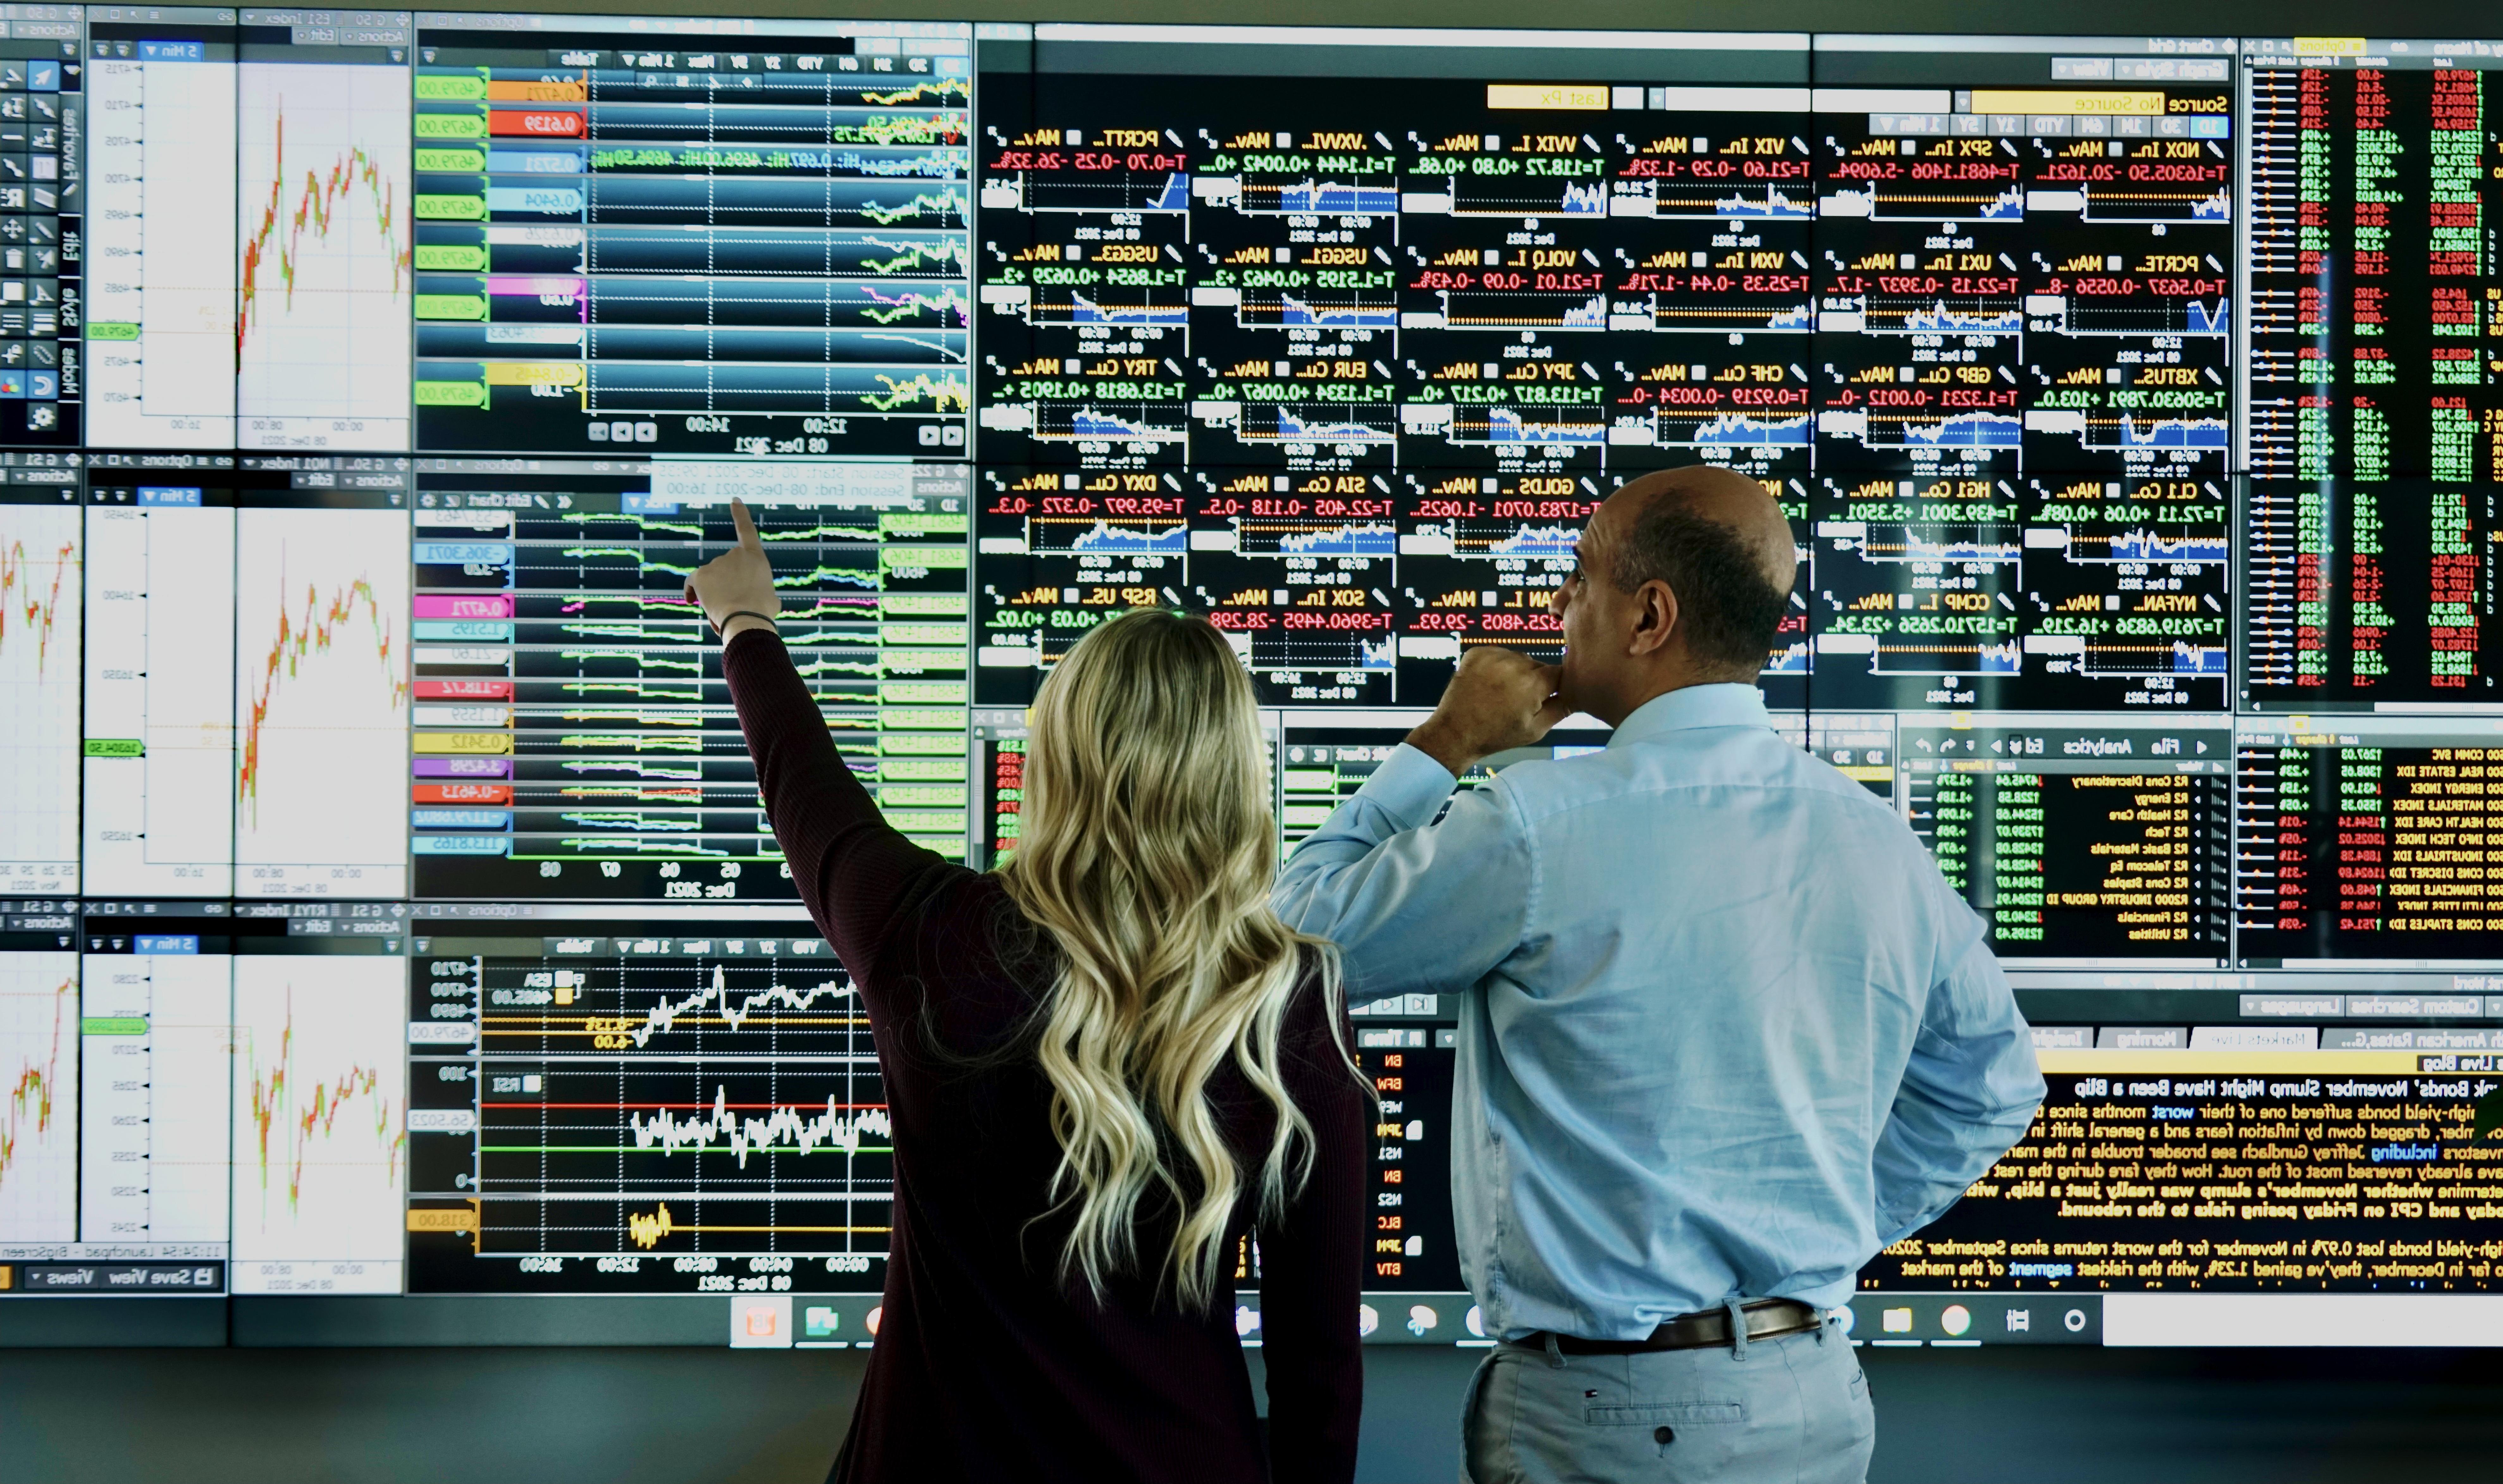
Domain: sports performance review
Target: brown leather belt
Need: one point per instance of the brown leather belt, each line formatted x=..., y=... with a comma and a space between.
x=1766, y=1319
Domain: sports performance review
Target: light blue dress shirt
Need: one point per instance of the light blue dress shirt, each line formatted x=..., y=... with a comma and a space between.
x=1724, y=1030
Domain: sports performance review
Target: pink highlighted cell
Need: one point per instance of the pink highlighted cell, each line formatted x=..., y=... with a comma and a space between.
x=515, y=282
x=464, y=604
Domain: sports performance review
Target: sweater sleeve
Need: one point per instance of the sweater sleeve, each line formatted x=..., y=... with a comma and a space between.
x=1312, y=1272
x=860, y=878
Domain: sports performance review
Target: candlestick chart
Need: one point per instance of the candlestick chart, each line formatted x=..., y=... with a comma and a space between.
x=322, y=701
x=41, y=592
x=321, y=1134
x=322, y=280
x=39, y=1067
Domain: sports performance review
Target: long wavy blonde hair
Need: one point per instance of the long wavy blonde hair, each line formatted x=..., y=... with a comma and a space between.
x=1148, y=847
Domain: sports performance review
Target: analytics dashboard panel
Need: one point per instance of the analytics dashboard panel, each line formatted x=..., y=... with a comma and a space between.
x=386, y=902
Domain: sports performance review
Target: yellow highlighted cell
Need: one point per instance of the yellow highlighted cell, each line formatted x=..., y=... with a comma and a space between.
x=538, y=91
x=534, y=374
x=1587, y=97
x=2113, y=103
x=463, y=742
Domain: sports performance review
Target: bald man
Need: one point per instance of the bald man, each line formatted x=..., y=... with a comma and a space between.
x=1724, y=1031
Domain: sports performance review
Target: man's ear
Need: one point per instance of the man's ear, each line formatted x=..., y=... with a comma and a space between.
x=1655, y=618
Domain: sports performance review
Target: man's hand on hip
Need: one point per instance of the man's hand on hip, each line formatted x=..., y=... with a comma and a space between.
x=1498, y=700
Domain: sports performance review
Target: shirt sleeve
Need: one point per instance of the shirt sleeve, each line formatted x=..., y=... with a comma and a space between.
x=1311, y=1274
x=1414, y=906
x=1969, y=1093
x=858, y=877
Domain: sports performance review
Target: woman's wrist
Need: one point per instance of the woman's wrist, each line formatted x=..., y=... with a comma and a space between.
x=740, y=622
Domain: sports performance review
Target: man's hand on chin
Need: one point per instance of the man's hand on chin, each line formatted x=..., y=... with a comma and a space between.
x=1497, y=700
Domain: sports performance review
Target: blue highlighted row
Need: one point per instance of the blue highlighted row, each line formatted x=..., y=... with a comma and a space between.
x=555, y=199
x=462, y=629
x=464, y=553
x=462, y=844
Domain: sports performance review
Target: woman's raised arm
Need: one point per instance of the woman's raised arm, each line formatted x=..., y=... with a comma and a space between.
x=859, y=877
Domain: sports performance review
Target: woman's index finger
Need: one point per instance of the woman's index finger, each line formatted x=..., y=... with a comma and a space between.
x=746, y=525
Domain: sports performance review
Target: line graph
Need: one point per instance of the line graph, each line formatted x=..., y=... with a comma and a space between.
x=607, y=684
x=733, y=1012
x=650, y=1231
x=323, y=275
x=836, y=1128
x=39, y=1066
x=321, y=1138
x=322, y=701
x=41, y=576
x=679, y=1096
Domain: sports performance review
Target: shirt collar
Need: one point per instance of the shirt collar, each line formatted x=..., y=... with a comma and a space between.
x=1731, y=705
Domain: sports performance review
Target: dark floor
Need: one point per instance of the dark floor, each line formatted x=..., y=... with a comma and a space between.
x=773, y=1417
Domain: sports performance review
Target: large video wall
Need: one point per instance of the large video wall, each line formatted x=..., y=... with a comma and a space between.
x=385, y=904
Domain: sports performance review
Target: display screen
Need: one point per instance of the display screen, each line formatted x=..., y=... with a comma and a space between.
x=385, y=906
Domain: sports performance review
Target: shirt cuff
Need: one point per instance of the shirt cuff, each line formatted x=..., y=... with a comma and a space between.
x=1408, y=786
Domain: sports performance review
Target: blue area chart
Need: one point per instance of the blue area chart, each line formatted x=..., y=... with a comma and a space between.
x=1106, y=538
x=1966, y=430
x=1292, y=427
x=1095, y=423
x=1773, y=205
x=2173, y=433
x=2153, y=546
x=1083, y=310
x=1535, y=541
x=1377, y=539
x=1738, y=431
x=1173, y=195
x=1294, y=312
x=1505, y=426
x=1912, y=544
x=2198, y=659
x=1337, y=199
x=1939, y=319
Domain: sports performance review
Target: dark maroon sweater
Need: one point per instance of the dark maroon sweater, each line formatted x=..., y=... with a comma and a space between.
x=987, y=1367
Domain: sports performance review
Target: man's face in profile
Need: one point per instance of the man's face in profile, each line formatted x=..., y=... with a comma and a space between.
x=1586, y=606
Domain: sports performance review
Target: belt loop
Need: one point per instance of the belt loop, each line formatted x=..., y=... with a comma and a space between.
x=1555, y=1351
x=1738, y=1327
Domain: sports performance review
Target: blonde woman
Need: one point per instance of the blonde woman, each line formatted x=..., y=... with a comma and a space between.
x=1106, y=1064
